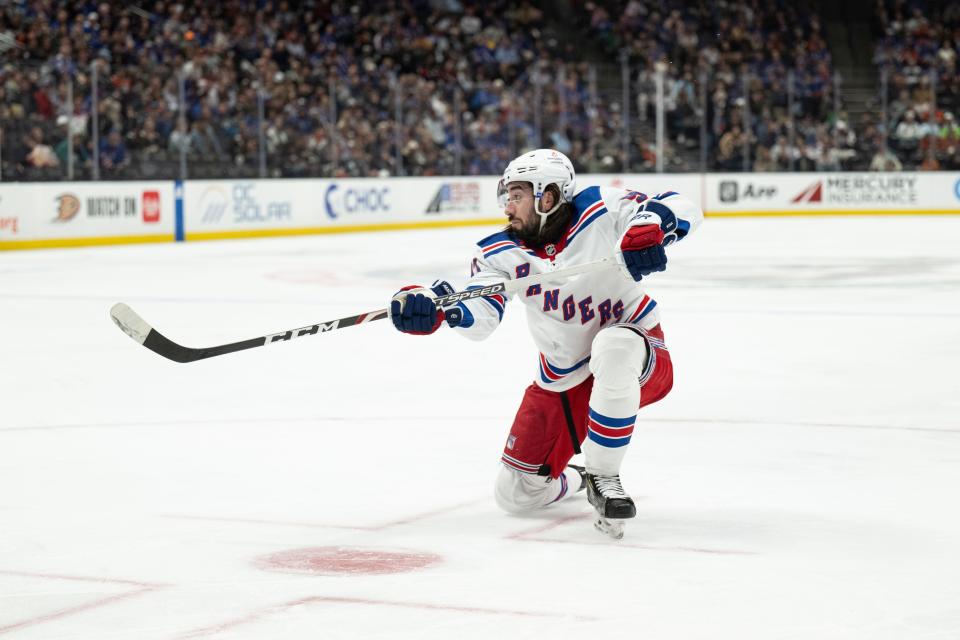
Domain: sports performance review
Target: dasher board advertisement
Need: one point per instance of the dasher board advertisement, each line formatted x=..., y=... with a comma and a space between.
x=236, y=206
x=832, y=193
x=65, y=213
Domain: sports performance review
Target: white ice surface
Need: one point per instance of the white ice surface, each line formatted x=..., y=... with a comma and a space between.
x=801, y=481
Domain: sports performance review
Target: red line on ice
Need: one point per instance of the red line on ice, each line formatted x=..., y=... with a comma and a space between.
x=143, y=588
x=531, y=535
x=252, y=617
x=58, y=576
x=319, y=525
x=645, y=547
x=552, y=524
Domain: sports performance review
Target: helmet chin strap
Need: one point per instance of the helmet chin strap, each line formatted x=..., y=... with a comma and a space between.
x=544, y=214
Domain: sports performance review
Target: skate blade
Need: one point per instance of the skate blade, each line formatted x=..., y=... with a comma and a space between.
x=609, y=527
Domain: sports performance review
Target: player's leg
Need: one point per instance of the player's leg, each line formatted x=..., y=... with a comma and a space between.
x=518, y=492
x=535, y=472
x=622, y=359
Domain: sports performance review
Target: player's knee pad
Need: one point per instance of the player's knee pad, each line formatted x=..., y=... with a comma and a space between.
x=617, y=357
x=517, y=492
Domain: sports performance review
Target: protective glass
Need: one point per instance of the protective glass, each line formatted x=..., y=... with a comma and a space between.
x=502, y=194
x=504, y=197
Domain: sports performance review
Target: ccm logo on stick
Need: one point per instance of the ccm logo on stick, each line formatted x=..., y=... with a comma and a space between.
x=303, y=331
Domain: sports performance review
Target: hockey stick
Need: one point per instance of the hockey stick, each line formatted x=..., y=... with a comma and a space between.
x=140, y=330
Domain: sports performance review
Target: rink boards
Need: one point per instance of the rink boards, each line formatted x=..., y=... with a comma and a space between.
x=63, y=214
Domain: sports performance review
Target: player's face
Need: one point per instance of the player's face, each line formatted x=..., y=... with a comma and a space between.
x=519, y=209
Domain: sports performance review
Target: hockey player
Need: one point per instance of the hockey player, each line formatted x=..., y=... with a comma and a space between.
x=602, y=352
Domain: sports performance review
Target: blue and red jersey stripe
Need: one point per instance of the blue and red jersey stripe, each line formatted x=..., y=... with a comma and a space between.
x=499, y=247
x=551, y=373
x=643, y=309
x=588, y=217
x=501, y=241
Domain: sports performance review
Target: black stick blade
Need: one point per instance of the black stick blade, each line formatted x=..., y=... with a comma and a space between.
x=140, y=330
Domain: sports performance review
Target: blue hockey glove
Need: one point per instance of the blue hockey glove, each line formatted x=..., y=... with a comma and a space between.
x=453, y=315
x=412, y=310
x=641, y=252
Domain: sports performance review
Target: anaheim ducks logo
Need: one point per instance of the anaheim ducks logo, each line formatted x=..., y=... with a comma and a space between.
x=68, y=206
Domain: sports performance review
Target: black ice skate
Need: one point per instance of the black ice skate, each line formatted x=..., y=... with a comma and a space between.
x=613, y=505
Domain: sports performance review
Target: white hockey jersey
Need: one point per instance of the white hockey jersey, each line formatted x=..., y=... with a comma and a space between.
x=564, y=319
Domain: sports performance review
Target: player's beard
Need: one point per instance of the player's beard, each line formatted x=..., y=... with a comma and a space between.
x=555, y=226
x=529, y=232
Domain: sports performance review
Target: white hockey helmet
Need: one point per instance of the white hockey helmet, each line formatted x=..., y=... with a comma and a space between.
x=540, y=168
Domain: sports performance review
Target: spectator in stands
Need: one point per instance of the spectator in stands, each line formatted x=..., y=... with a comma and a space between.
x=829, y=159
x=647, y=154
x=885, y=160
x=844, y=145
x=313, y=60
x=811, y=150
x=730, y=150
x=923, y=97
x=277, y=137
x=113, y=154
x=909, y=133
x=146, y=140
x=947, y=57
x=948, y=134
x=899, y=106
x=784, y=155
x=181, y=140
x=40, y=154
x=208, y=143
x=918, y=48
x=929, y=163
x=76, y=125
x=646, y=91
x=764, y=161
